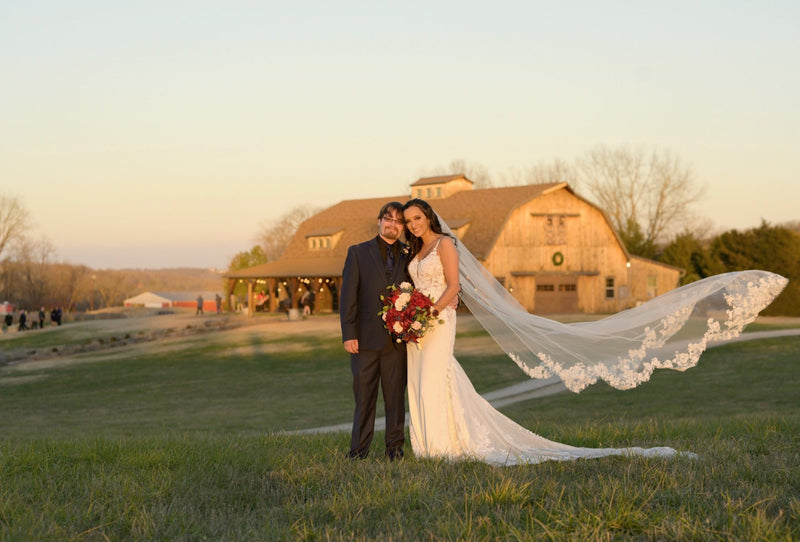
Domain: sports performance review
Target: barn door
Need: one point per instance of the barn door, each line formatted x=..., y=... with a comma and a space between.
x=556, y=294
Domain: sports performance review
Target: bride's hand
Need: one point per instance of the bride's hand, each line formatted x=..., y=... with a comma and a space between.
x=453, y=303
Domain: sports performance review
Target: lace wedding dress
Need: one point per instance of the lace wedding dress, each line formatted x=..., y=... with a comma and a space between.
x=450, y=419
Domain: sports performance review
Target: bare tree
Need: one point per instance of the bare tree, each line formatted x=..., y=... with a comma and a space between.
x=34, y=260
x=13, y=217
x=557, y=171
x=112, y=285
x=646, y=194
x=71, y=285
x=275, y=235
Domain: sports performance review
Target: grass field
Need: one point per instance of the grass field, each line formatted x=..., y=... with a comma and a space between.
x=182, y=438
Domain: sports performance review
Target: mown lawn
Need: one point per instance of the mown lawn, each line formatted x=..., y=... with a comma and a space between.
x=184, y=442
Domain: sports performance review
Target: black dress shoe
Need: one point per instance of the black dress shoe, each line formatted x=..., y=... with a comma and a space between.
x=357, y=454
x=395, y=454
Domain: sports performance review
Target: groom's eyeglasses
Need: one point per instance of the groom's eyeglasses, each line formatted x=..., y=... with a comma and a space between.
x=398, y=221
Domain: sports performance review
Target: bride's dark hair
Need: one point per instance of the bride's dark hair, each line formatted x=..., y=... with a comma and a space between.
x=415, y=243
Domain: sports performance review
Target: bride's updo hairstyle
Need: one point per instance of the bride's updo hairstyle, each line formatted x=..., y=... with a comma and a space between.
x=415, y=243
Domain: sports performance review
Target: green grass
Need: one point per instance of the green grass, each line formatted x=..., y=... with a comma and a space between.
x=184, y=443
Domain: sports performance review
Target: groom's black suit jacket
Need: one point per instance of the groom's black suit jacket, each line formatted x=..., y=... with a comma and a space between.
x=364, y=281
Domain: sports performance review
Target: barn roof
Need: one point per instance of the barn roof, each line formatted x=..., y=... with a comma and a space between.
x=485, y=210
x=187, y=296
x=292, y=267
x=439, y=180
x=170, y=296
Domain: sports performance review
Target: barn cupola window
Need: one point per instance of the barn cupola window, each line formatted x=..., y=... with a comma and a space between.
x=555, y=226
x=442, y=186
x=323, y=239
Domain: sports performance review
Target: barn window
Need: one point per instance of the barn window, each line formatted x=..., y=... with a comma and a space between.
x=555, y=230
x=438, y=191
x=609, y=287
x=567, y=288
x=545, y=287
x=319, y=243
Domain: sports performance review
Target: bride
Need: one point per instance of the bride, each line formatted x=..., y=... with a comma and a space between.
x=449, y=419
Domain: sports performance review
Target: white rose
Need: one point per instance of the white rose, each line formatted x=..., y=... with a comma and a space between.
x=405, y=286
x=416, y=325
x=402, y=301
x=397, y=327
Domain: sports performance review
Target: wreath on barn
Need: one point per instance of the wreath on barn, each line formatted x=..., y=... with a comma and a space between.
x=558, y=259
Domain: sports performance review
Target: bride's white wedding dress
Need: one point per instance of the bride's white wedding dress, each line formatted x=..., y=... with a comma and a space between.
x=450, y=419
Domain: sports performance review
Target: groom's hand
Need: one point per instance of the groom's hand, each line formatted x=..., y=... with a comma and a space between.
x=351, y=346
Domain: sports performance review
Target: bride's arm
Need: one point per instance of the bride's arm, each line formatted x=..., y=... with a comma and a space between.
x=449, y=257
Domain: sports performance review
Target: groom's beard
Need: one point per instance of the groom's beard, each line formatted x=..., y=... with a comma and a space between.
x=390, y=233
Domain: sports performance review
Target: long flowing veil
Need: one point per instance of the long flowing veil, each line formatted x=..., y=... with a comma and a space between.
x=667, y=332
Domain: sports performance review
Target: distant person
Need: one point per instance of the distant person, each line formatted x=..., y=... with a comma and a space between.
x=305, y=302
x=8, y=321
x=23, y=320
x=285, y=303
x=261, y=301
x=59, y=314
x=218, y=301
x=41, y=317
x=199, y=305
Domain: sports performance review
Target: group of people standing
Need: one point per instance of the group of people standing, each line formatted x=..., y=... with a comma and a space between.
x=24, y=322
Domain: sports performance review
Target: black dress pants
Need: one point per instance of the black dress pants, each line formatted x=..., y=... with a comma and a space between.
x=372, y=368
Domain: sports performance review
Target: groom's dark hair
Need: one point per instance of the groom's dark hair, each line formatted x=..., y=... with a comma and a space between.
x=396, y=205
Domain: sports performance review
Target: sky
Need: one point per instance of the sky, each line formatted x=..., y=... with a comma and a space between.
x=156, y=134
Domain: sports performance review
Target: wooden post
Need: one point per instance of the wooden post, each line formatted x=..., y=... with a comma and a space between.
x=294, y=284
x=250, y=311
x=273, y=299
x=229, y=293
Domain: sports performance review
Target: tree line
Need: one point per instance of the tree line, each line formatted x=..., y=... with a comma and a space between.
x=29, y=284
x=31, y=277
x=649, y=196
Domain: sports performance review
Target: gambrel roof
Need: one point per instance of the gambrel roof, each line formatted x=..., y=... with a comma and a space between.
x=486, y=211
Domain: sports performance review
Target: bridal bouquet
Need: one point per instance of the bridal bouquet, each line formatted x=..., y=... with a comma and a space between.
x=407, y=313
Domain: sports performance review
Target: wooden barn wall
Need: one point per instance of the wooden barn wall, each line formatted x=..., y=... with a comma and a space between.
x=589, y=247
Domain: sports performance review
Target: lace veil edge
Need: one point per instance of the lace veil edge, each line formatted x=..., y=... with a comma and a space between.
x=667, y=332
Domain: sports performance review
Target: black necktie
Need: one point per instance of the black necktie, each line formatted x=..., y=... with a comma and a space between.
x=389, y=261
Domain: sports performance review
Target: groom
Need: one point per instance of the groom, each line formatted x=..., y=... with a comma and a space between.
x=375, y=359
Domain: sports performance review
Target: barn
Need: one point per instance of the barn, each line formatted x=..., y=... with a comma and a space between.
x=554, y=251
x=172, y=300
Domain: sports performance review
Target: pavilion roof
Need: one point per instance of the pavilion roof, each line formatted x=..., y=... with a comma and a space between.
x=485, y=210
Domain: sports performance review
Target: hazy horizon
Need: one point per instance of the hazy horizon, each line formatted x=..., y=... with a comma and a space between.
x=152, y=135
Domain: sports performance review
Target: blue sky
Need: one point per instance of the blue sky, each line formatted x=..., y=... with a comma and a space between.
x=163, y=134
